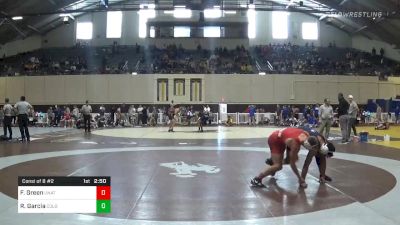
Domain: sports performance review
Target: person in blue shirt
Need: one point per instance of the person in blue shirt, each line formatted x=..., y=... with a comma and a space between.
x=397, y=114
x=252, y=113
x=285, y=114
x=325, y=150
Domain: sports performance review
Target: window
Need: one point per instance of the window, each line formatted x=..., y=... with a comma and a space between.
x=280, y=25
x=195, y=90
x=309, y=31
x=146, y=12
x=84, y=31
x=152, y=32
x=251, y=26
x=182, y=13
x=212, y=32
x=162, y=90
x=179, y=87
x=114, y=24
x=181, y=31
x=212, y=13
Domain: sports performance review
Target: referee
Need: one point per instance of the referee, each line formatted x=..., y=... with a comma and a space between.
x=8, y=111
x=86, y=110
x=23, y=107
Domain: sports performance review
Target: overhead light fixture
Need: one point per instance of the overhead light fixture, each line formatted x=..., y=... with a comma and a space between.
x=17, y=18
x=262, y=73
x=243, y=5
x=323, y=17
x=67, y=15
x=147, y=6
x=134, y=73
x=212, y=13
x=180, y=6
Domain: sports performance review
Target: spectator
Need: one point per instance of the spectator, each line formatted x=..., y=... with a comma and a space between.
x=397, y=114
x=378, y=114
x=50, y=116
x=140, y=114
x=373, y=51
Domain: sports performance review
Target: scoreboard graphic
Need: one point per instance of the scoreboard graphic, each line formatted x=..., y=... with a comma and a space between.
x=64, y=194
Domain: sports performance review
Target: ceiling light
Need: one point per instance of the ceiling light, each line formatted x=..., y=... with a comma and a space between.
x=17, y=18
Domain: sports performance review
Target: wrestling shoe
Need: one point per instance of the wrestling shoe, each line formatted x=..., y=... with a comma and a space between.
x=255, y=182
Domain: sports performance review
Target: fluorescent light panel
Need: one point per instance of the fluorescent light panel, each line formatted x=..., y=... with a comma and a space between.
x=17, y=18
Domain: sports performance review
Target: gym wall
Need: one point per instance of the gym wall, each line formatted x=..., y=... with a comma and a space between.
x=231, y=89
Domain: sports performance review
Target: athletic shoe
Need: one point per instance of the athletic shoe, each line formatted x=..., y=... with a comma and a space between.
x=255, y=182
x=328, y=178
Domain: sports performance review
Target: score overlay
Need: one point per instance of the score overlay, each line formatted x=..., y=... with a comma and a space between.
x=64, y=194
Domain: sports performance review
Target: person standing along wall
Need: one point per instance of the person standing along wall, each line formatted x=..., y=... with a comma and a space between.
x=23, y=107
x=343, y=116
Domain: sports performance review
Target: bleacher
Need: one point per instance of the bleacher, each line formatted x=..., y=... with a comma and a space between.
x=273, y=59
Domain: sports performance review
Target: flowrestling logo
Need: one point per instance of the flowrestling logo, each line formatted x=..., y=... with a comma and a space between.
x=358, y=14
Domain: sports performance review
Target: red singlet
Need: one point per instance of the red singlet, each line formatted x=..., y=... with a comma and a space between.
x=277, y=144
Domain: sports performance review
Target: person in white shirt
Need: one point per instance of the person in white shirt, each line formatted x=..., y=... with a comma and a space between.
x=325, y=118
x=23, y=108
x=132, y=115
x=353, y=112
x=8, y=113
x=75, y=113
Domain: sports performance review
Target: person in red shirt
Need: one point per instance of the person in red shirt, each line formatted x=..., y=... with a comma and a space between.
x=291, y=138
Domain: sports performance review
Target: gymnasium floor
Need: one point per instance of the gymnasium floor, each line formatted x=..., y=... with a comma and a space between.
x=188, y=177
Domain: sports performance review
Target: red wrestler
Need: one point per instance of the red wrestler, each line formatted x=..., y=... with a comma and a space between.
x=292, y=138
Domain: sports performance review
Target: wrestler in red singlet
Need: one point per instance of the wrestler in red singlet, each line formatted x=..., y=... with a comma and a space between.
x=277, y=140
x=290, y=137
